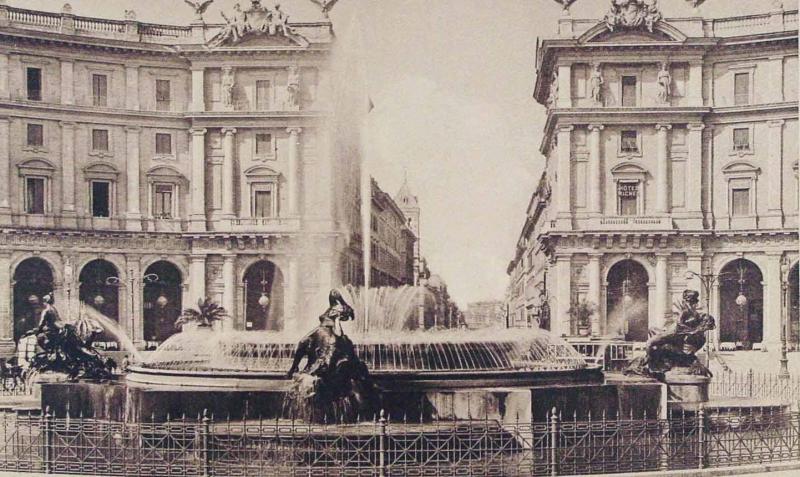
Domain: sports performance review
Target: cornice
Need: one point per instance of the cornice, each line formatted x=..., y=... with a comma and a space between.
x=77, y=114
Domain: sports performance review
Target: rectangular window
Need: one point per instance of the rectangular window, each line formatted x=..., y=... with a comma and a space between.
x=163, y=143
x=101, y=199
x=629, y=91
x=100, y=140
x=163, y=95
x=628, y=141
x=741, y=88
x=99, y=90
x=263, y=144
x=740, y=202
x=35, y=135
x=263, y=95
x=162, y=201
x=628, y=196
x=34, y=84
x=262, y=203
x=34, y=195
x=741, y=139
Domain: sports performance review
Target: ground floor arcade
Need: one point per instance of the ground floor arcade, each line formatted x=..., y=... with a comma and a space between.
x=143, y=282
x=749, y=283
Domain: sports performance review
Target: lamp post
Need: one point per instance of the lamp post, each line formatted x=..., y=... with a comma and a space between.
x=785, y=332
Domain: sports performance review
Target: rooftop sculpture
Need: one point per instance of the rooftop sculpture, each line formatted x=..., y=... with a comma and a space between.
x=257, y=20
x=632, y=14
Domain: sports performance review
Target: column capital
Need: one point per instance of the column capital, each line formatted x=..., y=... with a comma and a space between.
x=776, y=123
x=197, y=68
x=595, y=255
x=131, y=67
x=294, y=130
x=133, y=129
x=695, y=126
x=229, y=256
x=565, y=128
x=197, y=257
x=663, y=255
x=198, y=131
x=595, y=127
x=228, y=131
x=663, y=127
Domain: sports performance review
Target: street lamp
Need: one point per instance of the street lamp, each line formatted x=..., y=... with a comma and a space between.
x=263, y=300
x=785, y=332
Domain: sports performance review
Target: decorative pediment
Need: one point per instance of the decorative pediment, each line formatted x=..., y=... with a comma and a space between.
x=36, y=167
x=661, y=31
x=261, y=171
x=165, y=173
x=740, y=167
x=628, y=169
x=256, y=26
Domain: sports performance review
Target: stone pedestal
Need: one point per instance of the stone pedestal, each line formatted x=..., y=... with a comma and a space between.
x=45, y=379
x=686, y=388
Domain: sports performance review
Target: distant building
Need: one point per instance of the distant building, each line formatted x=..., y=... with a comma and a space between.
x=484, y=314
x=392, y=251
x=409, y=204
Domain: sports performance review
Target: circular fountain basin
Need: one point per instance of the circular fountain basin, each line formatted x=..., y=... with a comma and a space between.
x=422, y=360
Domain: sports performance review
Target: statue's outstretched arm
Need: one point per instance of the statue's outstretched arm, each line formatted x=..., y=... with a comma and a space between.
x=299, y=353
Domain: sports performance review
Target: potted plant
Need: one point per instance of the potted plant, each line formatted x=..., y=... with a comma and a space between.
x=581, y=313
x=204, y=316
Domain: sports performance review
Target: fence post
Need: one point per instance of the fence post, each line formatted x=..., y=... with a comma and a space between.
x=553, y=442
x=701, y=437
x=205, y=441
x=47, y=450
x=382, y=445
x=750, y=382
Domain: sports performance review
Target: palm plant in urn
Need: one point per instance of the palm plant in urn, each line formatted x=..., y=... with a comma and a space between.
x=581, y=313
x=204, y=316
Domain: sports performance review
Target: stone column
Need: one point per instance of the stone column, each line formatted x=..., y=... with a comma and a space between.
x=133, y=286
x=662, y=169
x=594, y=201
x=68, y=167
x=593, y=276
x=5, y=92
x=694, y=176
x=67, y=82
x=564, y=86
x=5, y=168
x=775, y=170
x=229, y=291
x=132, y=159
x=772, y=301
x=293, y=303
x=6, y=298
x=661, y=302
x=198, y=90
x=229, y=151
x=197, y=215
x=132, y=87
x=695, y=84
x=563, y=181
x=560, y=321
x=694, y=263
x=294, y=174
x=197, y=279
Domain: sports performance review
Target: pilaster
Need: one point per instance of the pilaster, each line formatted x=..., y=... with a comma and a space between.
x=5, y=171
x=563, y=177
x=132, y=160
x=594, y=202
x=197, y=279
x=132, y=87
x=662, y=308
x=6, y=298
x=229, y=151
x=5, y=92
x=198, y=90
x=594, y=294
x=662, y=169
x=197, y=215
x=772, y=301
x=564, y=86
x=293, y=182
x=68, y=168
x=560, y=320
x=694, y=86
x=694, y=178
x=775, y=170
x=67, y=82
x=229, y=290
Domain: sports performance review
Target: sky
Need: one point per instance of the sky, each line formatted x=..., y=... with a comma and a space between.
x=452, y=83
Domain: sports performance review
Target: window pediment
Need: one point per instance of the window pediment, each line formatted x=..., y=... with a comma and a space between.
x=741, y=167
x=97, y=168
x=629, y=169
x=36, y=167
x=261, y=171
x=165, y=174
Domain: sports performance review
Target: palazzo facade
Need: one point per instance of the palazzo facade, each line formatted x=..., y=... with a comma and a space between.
x=143, y=167
x=671, y=154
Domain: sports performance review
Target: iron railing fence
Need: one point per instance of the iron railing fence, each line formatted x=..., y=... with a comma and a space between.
x=749, y=384
x=203, y=446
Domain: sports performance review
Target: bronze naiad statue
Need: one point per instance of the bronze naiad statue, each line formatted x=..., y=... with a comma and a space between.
x=675, y=347
x=334, y=385
x=63, y=350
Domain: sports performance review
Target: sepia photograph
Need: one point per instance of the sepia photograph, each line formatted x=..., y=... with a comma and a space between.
x=389, y=238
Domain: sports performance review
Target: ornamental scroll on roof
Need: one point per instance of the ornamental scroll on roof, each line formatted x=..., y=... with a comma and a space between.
x=258, y=20
x=632, y=14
